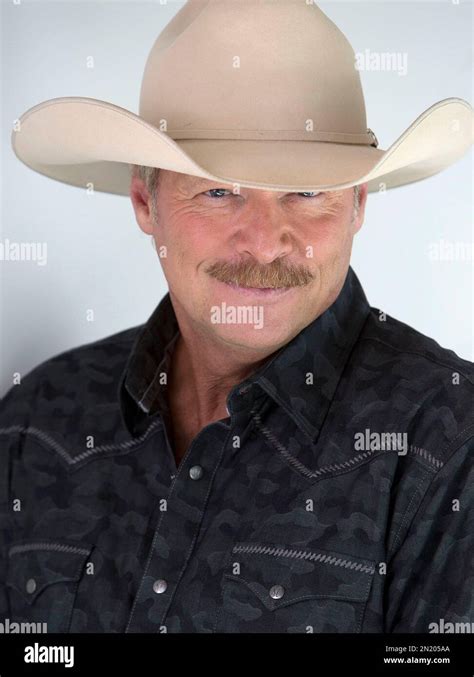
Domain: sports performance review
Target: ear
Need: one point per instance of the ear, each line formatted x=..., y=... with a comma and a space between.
x=359, y=219
x=141, y=201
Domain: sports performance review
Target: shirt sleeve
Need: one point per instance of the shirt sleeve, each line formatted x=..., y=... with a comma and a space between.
x=13, y=406
x=430, y=579
x=4, y=518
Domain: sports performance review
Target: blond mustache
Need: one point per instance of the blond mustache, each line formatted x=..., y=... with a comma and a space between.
x=274, y=275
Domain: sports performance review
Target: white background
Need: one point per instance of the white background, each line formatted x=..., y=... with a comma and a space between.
x=97, y=256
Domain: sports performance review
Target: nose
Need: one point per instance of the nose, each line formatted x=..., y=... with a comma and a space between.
x=263, y=231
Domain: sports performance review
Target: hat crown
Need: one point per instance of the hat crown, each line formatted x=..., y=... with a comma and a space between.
x=254, y=69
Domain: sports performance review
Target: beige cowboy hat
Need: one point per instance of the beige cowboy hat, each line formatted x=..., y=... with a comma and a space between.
x=259, y=93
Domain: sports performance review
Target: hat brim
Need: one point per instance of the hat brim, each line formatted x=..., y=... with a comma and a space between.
x=87, y=142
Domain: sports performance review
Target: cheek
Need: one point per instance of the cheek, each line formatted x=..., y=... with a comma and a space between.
x=176, y=233
x=325, y=236
x=186, y=249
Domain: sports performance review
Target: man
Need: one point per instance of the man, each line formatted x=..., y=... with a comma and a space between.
x=255, y=243
x=267, y=453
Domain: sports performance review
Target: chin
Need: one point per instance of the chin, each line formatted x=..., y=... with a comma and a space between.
x=265, y=339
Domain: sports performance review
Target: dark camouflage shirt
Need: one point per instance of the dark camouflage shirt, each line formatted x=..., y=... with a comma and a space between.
x=337, y=496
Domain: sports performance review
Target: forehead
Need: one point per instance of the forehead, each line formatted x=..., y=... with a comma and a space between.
x=189, y=181
x=198, y=183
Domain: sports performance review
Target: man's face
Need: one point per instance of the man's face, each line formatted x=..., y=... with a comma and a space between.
x=246, y=267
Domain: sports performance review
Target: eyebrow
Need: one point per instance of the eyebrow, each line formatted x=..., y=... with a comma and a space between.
x=196, y=181
x=201, y=181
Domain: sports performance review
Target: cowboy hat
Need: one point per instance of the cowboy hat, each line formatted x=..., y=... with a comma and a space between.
x=261, y=93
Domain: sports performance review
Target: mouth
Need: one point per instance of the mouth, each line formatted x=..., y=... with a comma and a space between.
x=260, y=292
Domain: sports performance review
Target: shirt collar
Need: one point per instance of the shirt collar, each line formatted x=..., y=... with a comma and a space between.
x=301, y=377
x=141, y=390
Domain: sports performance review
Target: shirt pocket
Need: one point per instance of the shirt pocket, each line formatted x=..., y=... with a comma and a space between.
x=42, y=581
x=268, y=587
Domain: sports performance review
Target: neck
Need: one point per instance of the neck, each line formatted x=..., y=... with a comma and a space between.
x=203, y=372
x=204, y=368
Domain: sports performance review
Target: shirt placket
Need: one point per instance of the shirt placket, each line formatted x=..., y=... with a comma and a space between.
x=177, y=529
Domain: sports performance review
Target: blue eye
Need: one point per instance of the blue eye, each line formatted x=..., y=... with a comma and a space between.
x=218, y=193
x=217, y=190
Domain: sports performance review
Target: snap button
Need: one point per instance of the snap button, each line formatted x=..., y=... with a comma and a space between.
x=160, y=586
x=196, y=472
x=30, y=585
x=277, y=591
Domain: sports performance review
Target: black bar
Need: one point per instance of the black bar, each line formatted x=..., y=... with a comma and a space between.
x=137, y=655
